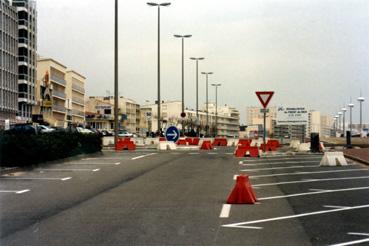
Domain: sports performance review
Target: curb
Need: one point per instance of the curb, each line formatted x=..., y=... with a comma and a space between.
x=357, y=159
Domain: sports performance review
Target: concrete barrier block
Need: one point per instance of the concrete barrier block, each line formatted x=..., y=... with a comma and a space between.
x=166, y=145
x=304, y=147
x=295, y=144
x=333, y=159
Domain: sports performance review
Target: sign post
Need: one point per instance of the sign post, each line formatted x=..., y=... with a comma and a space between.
x=264, y=98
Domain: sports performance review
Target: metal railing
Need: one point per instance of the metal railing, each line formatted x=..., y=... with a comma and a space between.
x=78, y=112
x=78, y=88
x=78, y=100
x=59, y=94
x=60, y=108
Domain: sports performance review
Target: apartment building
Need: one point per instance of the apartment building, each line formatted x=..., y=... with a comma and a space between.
x=255, y=118
x=27, y=57
x=75, y=95
x=129, y=112
x=99, y=113
x=59, y=94
x=8, y=63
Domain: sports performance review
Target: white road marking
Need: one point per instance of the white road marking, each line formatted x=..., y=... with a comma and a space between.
x=358, y=234
x=277, y=163
x=352, y=242
x=229, y=153
x=66, y=170
x=241, y=224
x=226, y=209
x=194, y=153
x=96, y=170
x=314, y=193
x=303, y=173
x=334, y=206
x=142, y=156
x=62, y=179
x=102, y=164
x=101, y=158
x=310, y=180
x=14, y=191
x=316, y=189
x=276, y=168
x=117, y=163
x=277, y=159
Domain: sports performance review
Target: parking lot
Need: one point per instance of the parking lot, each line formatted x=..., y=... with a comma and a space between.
x=178, y=197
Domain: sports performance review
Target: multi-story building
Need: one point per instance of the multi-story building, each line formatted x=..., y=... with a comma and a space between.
x=289, y=131
x=75, y=94
x=228, y=118
x=59, y=94
x=8, y=62
x=27, y=57
x=255, y=118
x=99, y=113
x=129, y=112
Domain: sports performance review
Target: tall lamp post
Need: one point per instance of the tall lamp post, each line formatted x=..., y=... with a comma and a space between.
x=361, y=100
x=116, y=74
x=197, y=59
x=344, y=120
x=158, y=5
x=339, y=122
x=216, y=108
x=207, y=100
x=335, y=125
x=350, y=105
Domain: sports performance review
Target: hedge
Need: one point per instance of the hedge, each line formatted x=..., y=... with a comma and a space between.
x=27, y=150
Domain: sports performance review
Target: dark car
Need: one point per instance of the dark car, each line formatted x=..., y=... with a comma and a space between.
x=25, y=129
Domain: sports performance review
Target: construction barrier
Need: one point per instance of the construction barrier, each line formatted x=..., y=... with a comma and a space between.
x=244, y=142
x=333, y=159
x=220, y=142
x=243, y=151
x=125, y=144
x=161, y=139
x=166, y=145
x=295, y=144
x=181, y=142
x=206, y=145
x=304, y=147
x=242, y=193
x=189, y=141
x=195, y=141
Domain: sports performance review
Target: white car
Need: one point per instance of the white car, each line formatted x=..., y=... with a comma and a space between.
x=124, y=133
x=44, y=129
x=83, y=130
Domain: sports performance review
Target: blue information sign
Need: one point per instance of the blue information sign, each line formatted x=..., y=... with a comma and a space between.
x=172, y=134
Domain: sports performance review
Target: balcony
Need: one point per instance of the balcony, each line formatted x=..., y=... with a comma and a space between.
x=78, y=88
x=59, y=108
x=78, y=100
x=58, y=94
x=23, y=24
x=22, y=60
x=23, y=42
x=78, y=113
x=57, y=80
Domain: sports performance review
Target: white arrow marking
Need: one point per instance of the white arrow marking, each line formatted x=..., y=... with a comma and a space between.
x=174, y=134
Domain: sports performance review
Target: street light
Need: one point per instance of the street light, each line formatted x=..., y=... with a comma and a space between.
x=344, y=121
x=350, y=105
x=116, y=74
x=339, y=122
x=216, y=107
x=158, y=5
x=361, y=100
x=335, y=125
x=207, y=100
x=182, y=37
x=197, y=59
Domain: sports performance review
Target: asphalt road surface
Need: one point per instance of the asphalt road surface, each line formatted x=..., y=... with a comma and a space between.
x=178, y=198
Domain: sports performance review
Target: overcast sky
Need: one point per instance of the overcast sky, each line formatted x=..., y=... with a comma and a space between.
x=313, y=53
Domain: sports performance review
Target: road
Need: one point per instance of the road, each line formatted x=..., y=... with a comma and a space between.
x=147, y=197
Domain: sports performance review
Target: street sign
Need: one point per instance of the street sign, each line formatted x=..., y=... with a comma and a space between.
x=262, y=110
x=183, y=114
x=172, y=134
x=264, y=97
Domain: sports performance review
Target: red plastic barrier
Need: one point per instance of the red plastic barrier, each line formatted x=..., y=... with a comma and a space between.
x=189, y=141
x=206, y=145
x=274, y=144
x=241, y=151
x=242, y=193
x=161, y=139
x=125, y=144
x=244, y=142
x=195, y=141
x=220, y=142
x=181, y=142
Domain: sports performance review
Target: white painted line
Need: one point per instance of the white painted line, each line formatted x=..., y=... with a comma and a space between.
x=35, y=178
x=101, y=158
x=278, y=159
x=22, y=191
x=226, y=209
x=314, y=193
x=142, y=156
x=352, y=242
x=102, y=164
x=276, y=168
x=358, y=234
x=229, y=153
x=277, y=163
x=117, y=163
x=241, y=224
x=303, y=173
x=67, y=178
x=334, y=206
x=64, y=170
x=310, y=180
x=316, y=189
x=96, y=170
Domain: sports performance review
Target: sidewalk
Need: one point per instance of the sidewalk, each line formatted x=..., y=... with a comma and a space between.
x=361, y=155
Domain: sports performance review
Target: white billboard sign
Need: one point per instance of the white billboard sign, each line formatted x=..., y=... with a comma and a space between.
x=292, y=116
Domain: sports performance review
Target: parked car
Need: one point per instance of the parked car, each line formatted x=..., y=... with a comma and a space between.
x=83, y=130
x=125, y=133
x=44, y=129
x=26, y=129
x=106, y=133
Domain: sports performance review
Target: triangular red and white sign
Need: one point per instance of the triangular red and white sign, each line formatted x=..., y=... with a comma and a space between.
x=264, y=97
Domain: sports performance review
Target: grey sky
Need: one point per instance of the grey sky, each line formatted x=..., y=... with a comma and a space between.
x=313, y=52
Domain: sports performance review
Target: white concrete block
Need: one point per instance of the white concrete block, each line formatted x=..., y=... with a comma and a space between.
x=333, y=159
x=304, y=147
x=166, y=145
x=295, y=144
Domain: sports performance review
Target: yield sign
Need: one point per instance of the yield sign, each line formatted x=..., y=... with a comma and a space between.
x=264, y=97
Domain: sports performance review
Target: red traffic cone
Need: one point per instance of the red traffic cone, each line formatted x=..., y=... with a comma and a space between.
x=242, y=193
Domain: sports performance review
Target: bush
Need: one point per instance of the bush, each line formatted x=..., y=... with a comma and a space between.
x=26, y=150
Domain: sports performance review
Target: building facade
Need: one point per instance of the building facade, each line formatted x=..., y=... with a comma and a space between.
x=8, y=63
x=27, y=57
x=59, y=94
x=255, y=118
